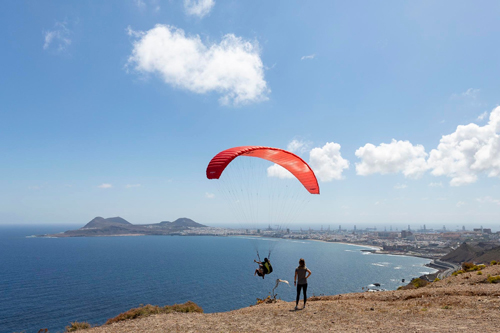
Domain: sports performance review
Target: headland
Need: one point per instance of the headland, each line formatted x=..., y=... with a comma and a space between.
x=465, y=302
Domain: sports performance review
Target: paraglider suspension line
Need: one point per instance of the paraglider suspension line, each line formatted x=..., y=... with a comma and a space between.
x=268, y=255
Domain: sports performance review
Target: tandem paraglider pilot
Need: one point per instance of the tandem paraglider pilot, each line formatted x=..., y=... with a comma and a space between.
x=264, y=267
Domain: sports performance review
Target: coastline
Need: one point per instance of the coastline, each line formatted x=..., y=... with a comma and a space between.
x=443, y=269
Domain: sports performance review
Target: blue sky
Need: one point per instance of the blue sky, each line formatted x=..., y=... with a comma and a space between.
x=115, y=108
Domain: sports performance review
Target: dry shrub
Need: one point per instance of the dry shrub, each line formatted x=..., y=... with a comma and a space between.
x=418, y=282
x=148, y=310
x=494, y=279
x=75, y=326
x=468, y=266
x=268, y=299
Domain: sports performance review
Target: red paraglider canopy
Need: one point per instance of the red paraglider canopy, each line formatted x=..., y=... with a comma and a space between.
x=297, y=166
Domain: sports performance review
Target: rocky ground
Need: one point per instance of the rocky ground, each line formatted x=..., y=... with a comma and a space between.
x=466, y=302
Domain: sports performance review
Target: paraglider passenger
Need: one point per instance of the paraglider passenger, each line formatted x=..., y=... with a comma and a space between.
x=302, y=273
x=264, y=267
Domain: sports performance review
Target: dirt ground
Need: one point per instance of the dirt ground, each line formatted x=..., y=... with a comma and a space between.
x=459, y=303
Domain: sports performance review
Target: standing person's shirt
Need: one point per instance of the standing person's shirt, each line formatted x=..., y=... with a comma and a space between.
x=301, y=275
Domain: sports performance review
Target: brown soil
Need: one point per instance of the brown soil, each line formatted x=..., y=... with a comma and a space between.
x=459, y=303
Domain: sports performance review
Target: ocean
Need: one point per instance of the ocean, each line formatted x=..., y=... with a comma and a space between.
x=50, y=282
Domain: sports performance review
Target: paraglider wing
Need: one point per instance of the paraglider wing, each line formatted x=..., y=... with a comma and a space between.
x=293, y=163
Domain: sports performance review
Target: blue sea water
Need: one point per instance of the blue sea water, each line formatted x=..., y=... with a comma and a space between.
x=50, y=282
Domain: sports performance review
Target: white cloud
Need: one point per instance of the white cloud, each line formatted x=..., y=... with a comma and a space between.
x=57, y=39
x=489, y=199
x=470, y=93
x=209, y=195
x=140, y=3
x=278, y=171
x=232, y=68
x=468, y=151
x=460, y=204
x=400, y=186
x=132, y=185
x=482, y=116
x=312, y=56
x=327, y=162
x=198, y=8
x=397, y=156
x=297, y=146
x=105, y=186
x=436, y=184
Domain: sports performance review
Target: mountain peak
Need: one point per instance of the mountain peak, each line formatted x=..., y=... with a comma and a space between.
x=99, y=222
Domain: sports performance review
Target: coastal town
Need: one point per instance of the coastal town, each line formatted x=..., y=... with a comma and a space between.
x=426, y=243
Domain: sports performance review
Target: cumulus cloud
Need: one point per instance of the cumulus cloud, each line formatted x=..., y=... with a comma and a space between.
x=460, y=204
x=132, y=185
x=105, y=186
x=209, y=195
x=327, y=162
x=296, y=147
x=468, y=151
x=57, y=39
x=436, y=184
x=394, y=157
x=308, y=57
x=232, y=68
x=400, y=186
x=198, y=8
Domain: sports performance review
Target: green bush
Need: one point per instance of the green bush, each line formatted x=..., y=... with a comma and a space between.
x=457, y=272
x=493, y=262
x=436, y=280
x=77, y=326
x=479, y=273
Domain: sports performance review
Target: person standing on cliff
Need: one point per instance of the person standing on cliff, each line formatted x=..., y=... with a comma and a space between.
x=302, y=273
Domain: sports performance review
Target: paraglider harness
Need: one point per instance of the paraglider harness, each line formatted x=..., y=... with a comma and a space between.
x=267, y=268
